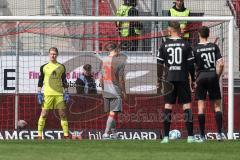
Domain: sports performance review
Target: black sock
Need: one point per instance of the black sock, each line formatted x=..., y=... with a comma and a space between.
x=188, y=117
x=201, y=120
x=218, y=118
x=167, y=121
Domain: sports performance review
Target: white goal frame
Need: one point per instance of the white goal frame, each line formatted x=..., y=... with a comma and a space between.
x=229, y=19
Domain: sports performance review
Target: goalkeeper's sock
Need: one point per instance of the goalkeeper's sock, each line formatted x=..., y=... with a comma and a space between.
x=111, y=123
x=218, y=118
x=64, y=124
x=188, y=121
x=167, y=121
x=41, y=124
x=201, y=120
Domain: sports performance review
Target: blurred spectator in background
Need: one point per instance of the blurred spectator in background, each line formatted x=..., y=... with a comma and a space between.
x=129, y=29
x=179, y=10
x=85, y=84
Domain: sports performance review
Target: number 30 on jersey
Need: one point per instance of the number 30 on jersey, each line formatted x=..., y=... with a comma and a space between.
x=175, y=55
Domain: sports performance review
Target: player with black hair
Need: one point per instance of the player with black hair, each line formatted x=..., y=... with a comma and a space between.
x=209, y=67
x=85, y=83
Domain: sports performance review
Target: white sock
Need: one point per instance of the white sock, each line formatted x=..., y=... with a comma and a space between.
x=111, y=123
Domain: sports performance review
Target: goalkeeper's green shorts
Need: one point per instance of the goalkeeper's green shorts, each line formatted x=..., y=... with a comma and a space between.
x=53, y=102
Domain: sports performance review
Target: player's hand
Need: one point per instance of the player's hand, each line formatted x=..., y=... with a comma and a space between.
x=159, y=85
x=193, y=86
x=40, y=98
x=66, y=97
x=219, y=68
x=125, y=97
x=218, y=76
x=183, y=30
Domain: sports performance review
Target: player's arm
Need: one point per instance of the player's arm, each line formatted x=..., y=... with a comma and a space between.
x=190, y=62
x=40, y=85
x=122, y=81
x=41, y=79
x=101, y=83
x=219, y=63
x=160, y=63
x=64, y=80
x=100, y=75
x=161, y=55
x=192, y=77
x=191, y=67
x=219, y=67
x=65, y=85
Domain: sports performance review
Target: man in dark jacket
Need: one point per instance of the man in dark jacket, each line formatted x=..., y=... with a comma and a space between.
x=85, y=83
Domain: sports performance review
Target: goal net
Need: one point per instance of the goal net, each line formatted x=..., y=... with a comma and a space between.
x=24, y=45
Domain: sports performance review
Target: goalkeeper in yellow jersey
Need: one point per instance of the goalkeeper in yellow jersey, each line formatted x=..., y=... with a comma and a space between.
x=53, y=77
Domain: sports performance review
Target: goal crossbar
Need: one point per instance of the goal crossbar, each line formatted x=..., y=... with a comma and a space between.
x=112, y=18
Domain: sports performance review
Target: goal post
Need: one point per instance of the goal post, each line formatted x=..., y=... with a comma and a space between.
x=230, y=42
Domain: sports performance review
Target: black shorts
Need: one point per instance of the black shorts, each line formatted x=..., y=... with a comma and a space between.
x=207, y=82
x=181, y=91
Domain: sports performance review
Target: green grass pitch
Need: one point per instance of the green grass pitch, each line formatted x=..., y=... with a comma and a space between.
x=118, y=150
